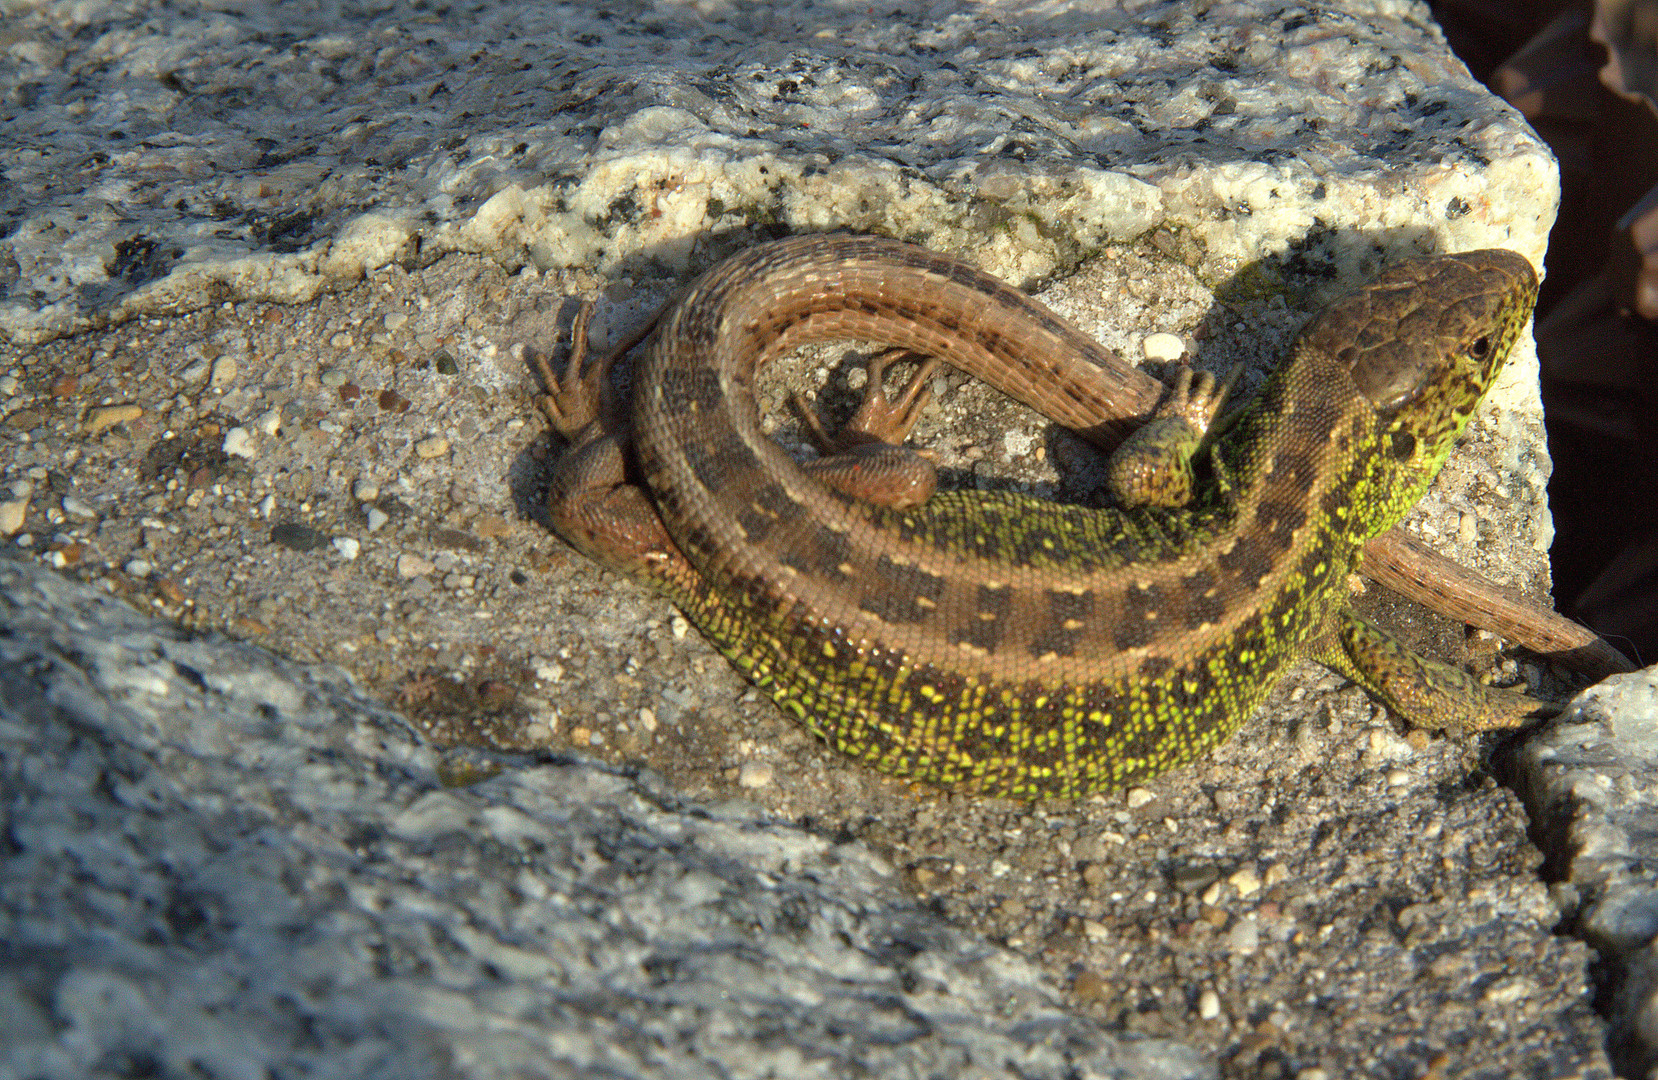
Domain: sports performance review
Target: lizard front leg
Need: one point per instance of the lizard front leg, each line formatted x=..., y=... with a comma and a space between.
x=1153, y=466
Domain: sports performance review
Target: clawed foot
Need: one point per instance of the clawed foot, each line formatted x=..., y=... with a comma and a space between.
x=1153, y=466
x=1196, y=397
x=879, y=419
x=577, y=398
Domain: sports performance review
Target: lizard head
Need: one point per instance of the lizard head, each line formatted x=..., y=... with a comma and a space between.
x=1423, y=343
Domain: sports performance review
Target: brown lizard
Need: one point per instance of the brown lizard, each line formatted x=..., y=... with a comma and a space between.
x=997, y=640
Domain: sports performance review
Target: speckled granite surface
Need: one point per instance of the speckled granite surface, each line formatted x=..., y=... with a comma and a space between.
x=160, y=154
x=220, y=863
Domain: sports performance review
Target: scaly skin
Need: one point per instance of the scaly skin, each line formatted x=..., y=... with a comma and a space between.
x=999, y=642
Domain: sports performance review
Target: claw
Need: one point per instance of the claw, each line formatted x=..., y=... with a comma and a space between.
x=815, y=431
x=579, y=395
x=1196, y=397
x=880, y=418
x=884, y=419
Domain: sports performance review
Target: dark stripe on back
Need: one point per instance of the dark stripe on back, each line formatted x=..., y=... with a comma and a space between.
x=775, y=501
x=827, y=551
x=1204, y=602
x=694, y=387
x=1134, y=630
x=1281, y=520
x=1245, y=565
x=702, y=465
x=1296, y=466
x=989, y=619
x=894, y=589
x=756, y=525
x=1057, y=637
x=732, y=455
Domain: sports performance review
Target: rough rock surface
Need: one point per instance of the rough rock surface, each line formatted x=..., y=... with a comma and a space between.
x=1591, y=785
x=220, y=863
x=158, y=153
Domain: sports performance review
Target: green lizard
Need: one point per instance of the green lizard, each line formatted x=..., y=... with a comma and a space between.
x=997, y=641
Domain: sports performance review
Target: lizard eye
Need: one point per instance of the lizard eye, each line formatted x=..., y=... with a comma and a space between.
x=1480, y=349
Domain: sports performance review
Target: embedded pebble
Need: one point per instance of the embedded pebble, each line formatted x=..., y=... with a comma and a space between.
x=365, y=491
x=225, y=371
x=1163, y=347
x=270, y=422
x=754, y=774
x=109, y=415
x=413, y=566
x=1245, y=935
x=77, y=507
x=1138, y=797
x=376, y=518
x=238, y=443
x=291, y=534
x=347, y=547
x=1246, y=881
x=139, y=568
x=435, y=447
x=12, y=513
x=395, y=321
x=1384, y=745
x=1508, y=991
x=1208, y=1005
x=8, y=385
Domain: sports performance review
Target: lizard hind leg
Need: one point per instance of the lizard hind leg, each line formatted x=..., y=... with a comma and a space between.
x=1422, y=692
x=864, y=459
x=578, y=398
x=590, y=501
